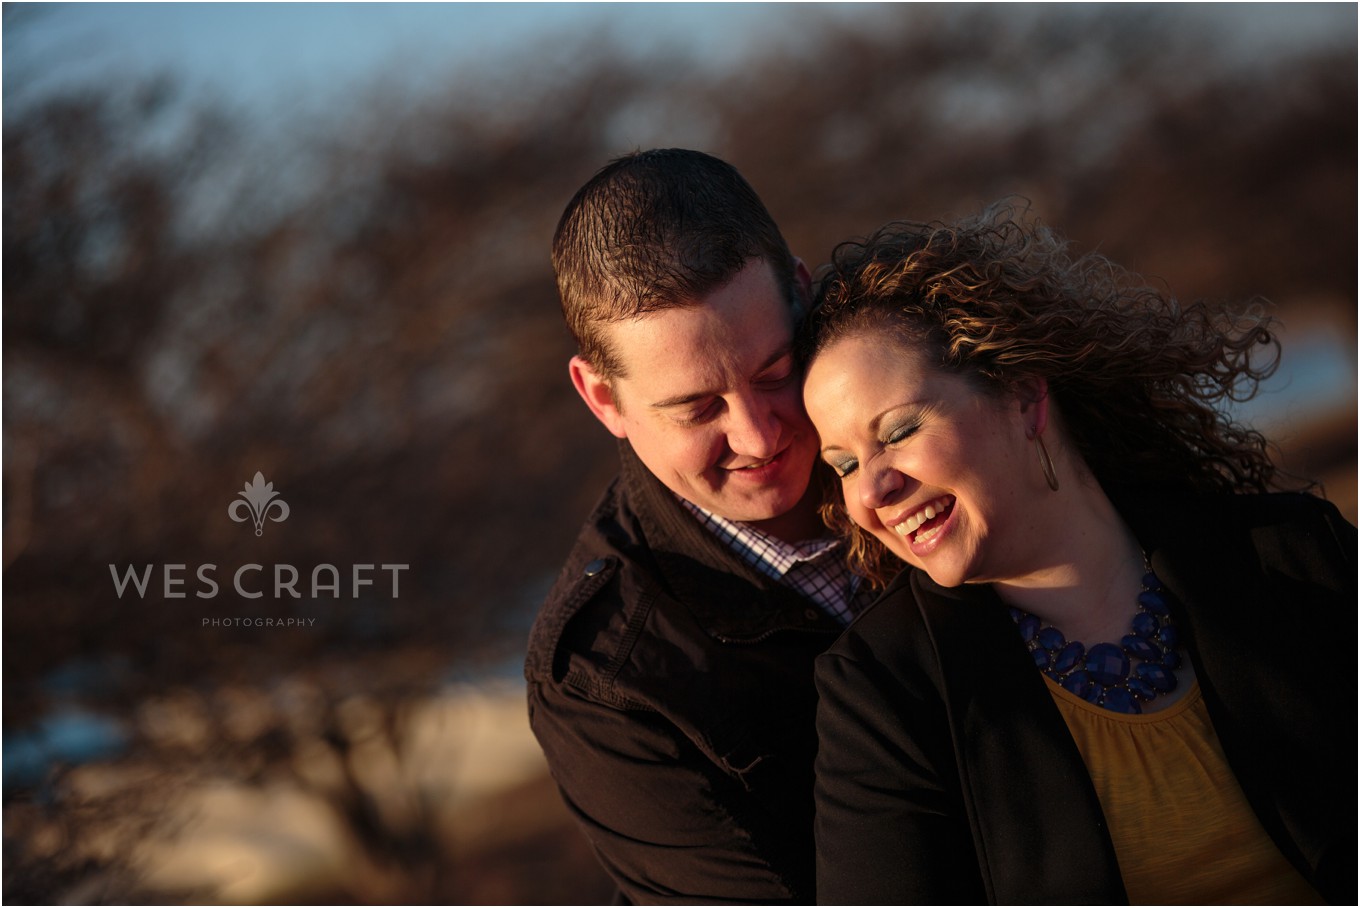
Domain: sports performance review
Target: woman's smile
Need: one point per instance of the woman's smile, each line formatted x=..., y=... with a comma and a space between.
x=929, y=520
x=938, y=470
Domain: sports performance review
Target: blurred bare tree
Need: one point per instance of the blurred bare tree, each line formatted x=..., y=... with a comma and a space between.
x=370, y=320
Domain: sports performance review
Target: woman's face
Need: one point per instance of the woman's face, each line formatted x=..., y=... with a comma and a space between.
x=941, y=473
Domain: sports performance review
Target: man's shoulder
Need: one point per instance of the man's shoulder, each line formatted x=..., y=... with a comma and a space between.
x=635, y=621
x=604, y=544
x=596, y=615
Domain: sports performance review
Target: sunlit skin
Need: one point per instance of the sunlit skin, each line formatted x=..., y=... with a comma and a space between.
x=903, y=436
x=710, y=400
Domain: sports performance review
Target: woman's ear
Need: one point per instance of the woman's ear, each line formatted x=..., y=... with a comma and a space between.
x=1032, y=393
x=598, y=394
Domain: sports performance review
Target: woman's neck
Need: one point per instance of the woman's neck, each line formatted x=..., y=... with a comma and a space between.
x=1089, y=570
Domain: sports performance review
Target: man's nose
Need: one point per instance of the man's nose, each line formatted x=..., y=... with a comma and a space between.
x=753, y=429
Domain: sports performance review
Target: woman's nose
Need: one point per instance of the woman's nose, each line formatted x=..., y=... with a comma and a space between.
x=881, y=486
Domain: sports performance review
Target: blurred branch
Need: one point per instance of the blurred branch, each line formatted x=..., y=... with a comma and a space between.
x=368, y=316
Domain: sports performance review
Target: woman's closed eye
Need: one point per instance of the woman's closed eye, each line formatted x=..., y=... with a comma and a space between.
x=901, y=433
x=843, y=466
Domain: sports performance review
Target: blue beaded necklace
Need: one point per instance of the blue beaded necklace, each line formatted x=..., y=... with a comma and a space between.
x=1101, y=674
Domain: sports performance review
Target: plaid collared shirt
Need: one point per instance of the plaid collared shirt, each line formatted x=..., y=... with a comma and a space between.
x=815, y=568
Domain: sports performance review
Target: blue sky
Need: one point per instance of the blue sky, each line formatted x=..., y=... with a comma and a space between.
x=316, y=54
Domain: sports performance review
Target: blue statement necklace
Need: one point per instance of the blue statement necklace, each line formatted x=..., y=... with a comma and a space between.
x=1106, y=674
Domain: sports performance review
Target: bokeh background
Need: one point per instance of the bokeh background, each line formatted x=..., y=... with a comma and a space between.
x=312, y=241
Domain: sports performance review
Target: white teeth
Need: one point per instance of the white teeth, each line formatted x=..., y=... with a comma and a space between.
x=928, y=534
x=929, y=512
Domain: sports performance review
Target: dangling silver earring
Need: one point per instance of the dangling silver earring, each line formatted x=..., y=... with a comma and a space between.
x=1050, y=475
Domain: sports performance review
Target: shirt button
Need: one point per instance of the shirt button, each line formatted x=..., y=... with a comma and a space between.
x=810, y=614
x=599, y=564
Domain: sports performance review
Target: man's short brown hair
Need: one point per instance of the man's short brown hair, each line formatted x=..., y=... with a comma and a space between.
x=651, y=231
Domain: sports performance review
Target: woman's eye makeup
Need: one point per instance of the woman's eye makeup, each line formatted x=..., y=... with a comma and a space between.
x=900, y=432
x=844, y=466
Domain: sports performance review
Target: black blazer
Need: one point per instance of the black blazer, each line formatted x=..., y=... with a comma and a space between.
x=946, y=773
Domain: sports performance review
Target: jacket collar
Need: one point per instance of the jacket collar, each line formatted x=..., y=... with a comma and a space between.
x=1019, y=767
x=1209, y=557
x=1207, y=552
x=731, y=600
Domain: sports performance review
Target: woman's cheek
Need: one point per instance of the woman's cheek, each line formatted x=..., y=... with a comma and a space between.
x=866, y=518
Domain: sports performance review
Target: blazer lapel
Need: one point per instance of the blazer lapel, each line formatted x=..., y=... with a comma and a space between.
x=1036, y=820
x=1268, y=715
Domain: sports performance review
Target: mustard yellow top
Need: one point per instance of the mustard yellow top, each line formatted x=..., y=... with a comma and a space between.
x=1183, y=831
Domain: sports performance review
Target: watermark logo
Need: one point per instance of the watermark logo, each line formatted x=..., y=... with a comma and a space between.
x=259, y=500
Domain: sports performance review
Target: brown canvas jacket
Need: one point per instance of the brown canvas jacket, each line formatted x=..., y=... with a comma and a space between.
x=671, y=688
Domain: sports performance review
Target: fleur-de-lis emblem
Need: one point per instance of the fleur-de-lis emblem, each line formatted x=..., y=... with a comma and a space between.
x=259, y=499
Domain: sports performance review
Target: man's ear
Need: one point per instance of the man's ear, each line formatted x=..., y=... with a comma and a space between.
x=801, y=291
x=803, y=277
x=598, y=395
x=1033, y=396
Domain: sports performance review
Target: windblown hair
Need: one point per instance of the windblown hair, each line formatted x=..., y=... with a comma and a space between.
x=657, y=230
x=1138, y=378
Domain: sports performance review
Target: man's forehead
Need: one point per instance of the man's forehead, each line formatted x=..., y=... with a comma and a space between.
x=732, y=330
x=667, y=355
x=700, y=371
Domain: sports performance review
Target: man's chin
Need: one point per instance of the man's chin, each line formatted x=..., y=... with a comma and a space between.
x=770, y=505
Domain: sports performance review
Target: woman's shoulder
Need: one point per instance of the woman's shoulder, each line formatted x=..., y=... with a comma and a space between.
x=885, y=630
x=886, y=653
x=1275, y=507
x=1301, y=536
x=1188, y=517
x=1283, y=521
x=894, y=609
x=1282, y=536
x=904, y=624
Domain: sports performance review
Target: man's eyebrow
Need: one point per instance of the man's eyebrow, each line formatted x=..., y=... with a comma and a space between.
x=786, y=350
x=681, y=400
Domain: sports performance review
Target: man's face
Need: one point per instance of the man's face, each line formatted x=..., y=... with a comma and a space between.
x=712, y=401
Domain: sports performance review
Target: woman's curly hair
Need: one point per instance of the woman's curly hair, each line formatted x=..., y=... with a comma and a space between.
x=1136, y=375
